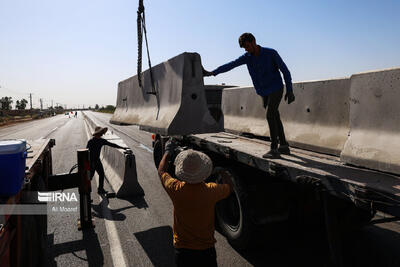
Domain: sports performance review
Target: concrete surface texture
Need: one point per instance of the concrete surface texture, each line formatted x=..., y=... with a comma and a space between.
x=243, y=111
x=179, y=106
x=119, y=166
x=374, y=139
x=317, y=120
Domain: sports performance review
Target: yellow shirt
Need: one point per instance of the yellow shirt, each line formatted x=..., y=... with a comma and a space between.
x=194, y=211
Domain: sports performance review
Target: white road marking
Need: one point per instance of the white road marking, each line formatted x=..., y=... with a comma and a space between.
x=117, y=254
x=49, y=133
x=146, y=148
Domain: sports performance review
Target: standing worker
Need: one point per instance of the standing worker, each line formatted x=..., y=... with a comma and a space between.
x=264, y=65
x=94, y=145
x=194, y=202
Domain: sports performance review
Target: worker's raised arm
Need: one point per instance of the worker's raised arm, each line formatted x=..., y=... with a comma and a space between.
x=163, y=166
x=225, y=179
x=107, y=143
x=231, y=65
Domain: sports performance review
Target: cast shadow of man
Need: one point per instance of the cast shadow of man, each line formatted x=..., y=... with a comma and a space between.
x=157, y=243
x=89, y=243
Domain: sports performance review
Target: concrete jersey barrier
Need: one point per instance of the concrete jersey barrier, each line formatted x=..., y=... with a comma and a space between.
x=317, y=120
x=374, y=139
x=119, y=166
x=243, y=111
x=179, y=106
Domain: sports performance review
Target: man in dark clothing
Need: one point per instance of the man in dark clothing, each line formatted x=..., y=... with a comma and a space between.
x=94, y=145
x=264, y=65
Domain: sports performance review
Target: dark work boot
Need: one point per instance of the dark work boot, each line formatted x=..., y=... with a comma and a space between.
x=272, y=154
x=284, y=149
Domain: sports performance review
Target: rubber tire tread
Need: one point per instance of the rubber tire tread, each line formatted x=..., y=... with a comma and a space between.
x=243, y=236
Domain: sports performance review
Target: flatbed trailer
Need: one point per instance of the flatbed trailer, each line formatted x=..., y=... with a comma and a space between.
x=22, y=237
x=23, y=218
x=272, y=191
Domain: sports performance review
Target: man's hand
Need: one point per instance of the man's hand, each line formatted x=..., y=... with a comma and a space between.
x=170, y=146
x=289, y=96
x=169, y=151
x=207, y=73
x=226, y=179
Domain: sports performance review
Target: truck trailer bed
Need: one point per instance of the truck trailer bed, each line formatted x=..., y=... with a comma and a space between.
x=364, y=187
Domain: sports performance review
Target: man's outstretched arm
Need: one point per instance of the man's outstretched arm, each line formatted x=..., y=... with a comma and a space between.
x=226, y=67
x=114, y=145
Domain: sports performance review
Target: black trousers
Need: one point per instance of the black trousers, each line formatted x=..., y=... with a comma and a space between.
x=191, y=257
x=98, y=167
x=271, y=103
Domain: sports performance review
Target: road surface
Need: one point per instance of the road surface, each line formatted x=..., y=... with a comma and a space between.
x=138, y=231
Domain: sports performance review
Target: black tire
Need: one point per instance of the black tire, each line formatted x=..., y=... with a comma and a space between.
x=231, y=214
x=157, y=152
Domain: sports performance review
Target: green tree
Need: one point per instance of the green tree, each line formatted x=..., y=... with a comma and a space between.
x=21, y=104
x=110, y=107
x=6, y=102
x=96, y=107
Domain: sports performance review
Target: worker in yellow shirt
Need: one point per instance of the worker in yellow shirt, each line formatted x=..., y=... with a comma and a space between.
x=194, y=202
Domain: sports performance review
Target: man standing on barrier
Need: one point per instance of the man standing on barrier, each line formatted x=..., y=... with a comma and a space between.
x=194, y=202
x=264, y=65
x=94, y=145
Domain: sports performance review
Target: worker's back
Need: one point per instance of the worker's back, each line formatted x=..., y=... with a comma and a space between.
x=194, y=211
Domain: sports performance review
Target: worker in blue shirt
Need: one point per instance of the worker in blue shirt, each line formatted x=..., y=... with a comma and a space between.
x=264, y=65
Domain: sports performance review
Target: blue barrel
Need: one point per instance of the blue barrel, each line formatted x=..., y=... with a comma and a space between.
x=12, y=166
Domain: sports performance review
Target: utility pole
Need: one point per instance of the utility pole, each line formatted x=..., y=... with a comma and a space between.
x=52, y=103
x=30, y=97
x=41, y=104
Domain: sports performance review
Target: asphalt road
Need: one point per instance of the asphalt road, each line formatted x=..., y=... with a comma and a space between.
x=141, y=228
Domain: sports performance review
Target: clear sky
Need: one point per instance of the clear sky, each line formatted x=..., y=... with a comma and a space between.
x=75, y=52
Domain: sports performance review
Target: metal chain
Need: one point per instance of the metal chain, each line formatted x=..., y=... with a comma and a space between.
x=141, y=23
x=140, y=41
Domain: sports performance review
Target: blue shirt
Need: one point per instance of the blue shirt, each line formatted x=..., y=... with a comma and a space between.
x=263, y=69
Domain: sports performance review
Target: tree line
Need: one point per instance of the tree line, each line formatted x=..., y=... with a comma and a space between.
x=6, y=102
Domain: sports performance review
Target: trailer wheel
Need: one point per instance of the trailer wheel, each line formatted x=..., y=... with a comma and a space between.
x=231, y=214
x=157, y=152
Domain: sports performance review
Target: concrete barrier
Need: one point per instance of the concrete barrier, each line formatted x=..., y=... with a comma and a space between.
x=179, y=106
x=119, y=165
x=243, y=111
x=374, y=140
x=317, y=120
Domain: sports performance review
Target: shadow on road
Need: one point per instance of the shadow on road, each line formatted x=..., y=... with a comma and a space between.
x=89, y=243
x=304, y=247
x=370, y=246
x=374, y=245
x=157, y=243
x=136, y=201
x=115, y=214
